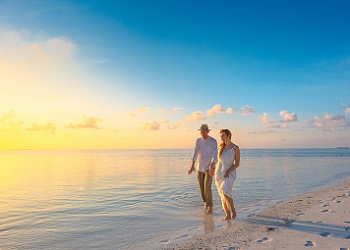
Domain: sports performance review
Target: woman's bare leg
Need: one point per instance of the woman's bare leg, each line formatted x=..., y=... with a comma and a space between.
x=224, y=206
x=230, y=206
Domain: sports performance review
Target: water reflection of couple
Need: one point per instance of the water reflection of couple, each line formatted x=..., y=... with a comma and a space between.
x=222, y=165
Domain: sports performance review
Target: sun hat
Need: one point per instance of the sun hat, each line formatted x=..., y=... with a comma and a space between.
x=204, y=127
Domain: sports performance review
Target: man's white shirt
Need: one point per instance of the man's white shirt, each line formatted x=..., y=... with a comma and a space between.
x=205, y=152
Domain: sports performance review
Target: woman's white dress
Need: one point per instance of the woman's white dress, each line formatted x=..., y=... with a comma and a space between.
x=226, y=161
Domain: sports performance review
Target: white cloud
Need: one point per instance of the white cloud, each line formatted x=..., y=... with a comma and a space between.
x=176, y=109
x=196, y=116
x=230, y=111
x=247, y=110
x=331, y=122
x=347, y=110
x=216, y=109
x=161, y=111
x=288, y=117
x=266, y=119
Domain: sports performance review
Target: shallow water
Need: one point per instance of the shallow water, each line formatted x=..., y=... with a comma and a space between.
x=127, y=199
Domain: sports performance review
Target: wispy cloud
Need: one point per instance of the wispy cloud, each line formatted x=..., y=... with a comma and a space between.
x=48, y=127
x=216, y=109
x=195, y=116
x=288, y=117
x=143, y=110
x=273, y=125
x=161, y=111
x=247, y=110
x=10, y=121
x=85, y=122
x=100, y=61
x=176, y=109
x=269, y=131
x=174, y=126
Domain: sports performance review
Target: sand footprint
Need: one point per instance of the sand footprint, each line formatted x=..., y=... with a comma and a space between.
x=325, y=234
x=310, y=243
x=347, y=229
x=326, y=210
x=299, y=214
x=343, y=248
x=265, y=239
x=326, y=205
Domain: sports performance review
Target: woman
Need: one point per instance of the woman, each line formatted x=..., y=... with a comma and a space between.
x=225, y=172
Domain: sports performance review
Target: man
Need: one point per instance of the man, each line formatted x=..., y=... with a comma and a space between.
x=206, y=152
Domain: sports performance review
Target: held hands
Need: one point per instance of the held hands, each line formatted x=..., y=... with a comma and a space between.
x=211, y=171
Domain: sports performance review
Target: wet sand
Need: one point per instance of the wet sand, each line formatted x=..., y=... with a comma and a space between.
x=315, y=220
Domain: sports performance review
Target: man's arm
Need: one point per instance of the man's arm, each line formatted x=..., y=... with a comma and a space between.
x=214, y=158
x=194, y=158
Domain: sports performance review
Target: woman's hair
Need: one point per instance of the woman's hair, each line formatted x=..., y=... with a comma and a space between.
x=222, y=145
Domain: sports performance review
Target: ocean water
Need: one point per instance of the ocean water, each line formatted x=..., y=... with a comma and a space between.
x=140, y=199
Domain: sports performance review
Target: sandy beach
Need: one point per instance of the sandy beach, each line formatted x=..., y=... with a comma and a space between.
x=318, y=219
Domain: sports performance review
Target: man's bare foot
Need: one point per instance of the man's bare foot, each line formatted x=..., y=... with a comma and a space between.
x=205, y=206
x=228, y=217
x=210, y=210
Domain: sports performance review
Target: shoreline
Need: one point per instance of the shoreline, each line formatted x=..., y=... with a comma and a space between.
x=319, y=218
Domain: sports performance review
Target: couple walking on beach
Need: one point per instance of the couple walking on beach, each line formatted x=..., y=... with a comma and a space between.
x=221, y=164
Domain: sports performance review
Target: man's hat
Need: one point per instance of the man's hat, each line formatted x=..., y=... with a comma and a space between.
x=204, y=127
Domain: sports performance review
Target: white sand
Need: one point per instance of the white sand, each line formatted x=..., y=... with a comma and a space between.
x=316, y=220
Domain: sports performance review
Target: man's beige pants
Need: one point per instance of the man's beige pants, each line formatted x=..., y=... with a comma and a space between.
x=204, y=181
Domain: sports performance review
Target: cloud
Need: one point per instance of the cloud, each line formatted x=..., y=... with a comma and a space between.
x=86, y=122
x=269, y=131
x=48, y=127
x=347, y=108
x=155, y=125
x=174, y=126
x=247, y=110
x=266, y=119
x=216, y=109
x=176, y=109
x=230, y=111
x=10, y=121
x=100, y=61
x=195, y=116
x=143, y=110
x=161, y=111
x=331, y=122
x=151, y=125
x=288, y=117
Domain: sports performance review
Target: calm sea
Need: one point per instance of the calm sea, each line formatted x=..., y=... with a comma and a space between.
x=140, y=199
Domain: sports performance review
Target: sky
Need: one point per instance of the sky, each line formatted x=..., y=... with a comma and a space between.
x=147, y=74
